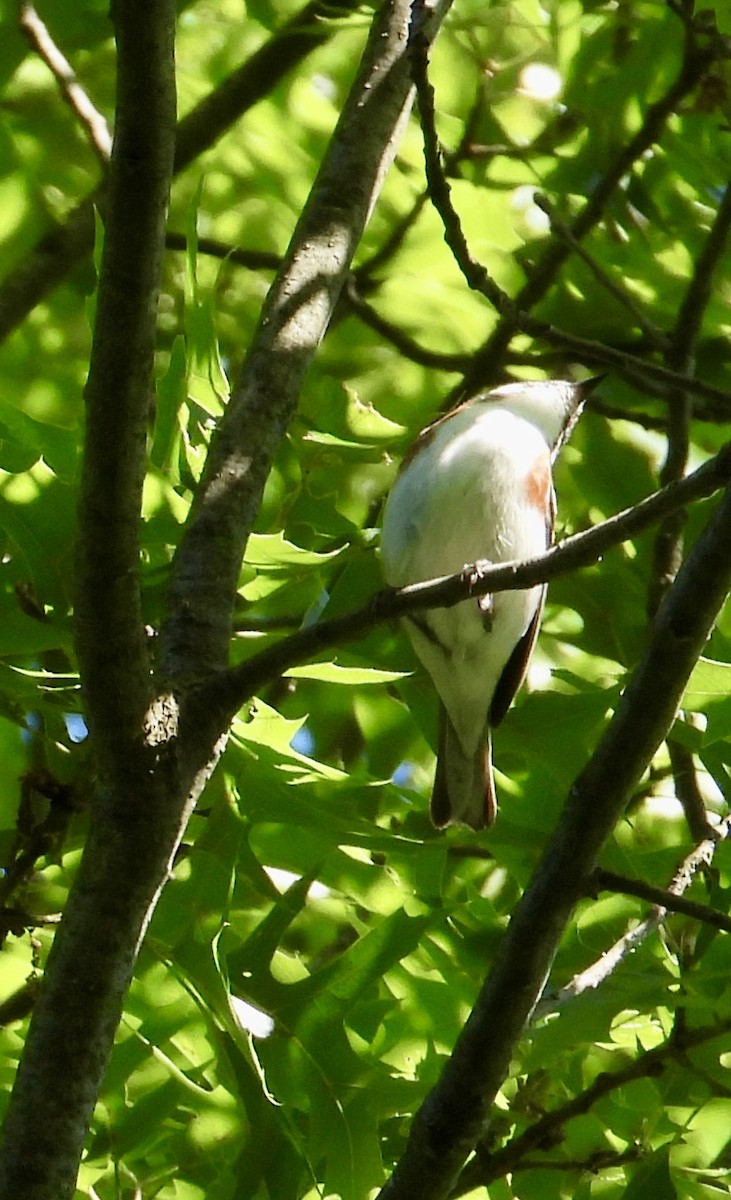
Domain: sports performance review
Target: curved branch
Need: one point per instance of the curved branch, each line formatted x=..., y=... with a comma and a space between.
x=668, y=548
x=653, y=335
x=700, y=857
x=435, y=360
x=453, y=1118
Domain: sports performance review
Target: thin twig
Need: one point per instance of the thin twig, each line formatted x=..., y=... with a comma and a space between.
x=700, y=857
x=397, y=235
x=696, y=60
x=80, y=104
x=614, y=413
x=399, y=231
x=252, y=260
x=611, y=881
x=477, y=276
x=432, y=359
x=668, y=549
x=228, y=689
x=688, y=790
x=602, y=1160
x=692, y=309
x=486, y=1167
x=656, y=336
x=515, y=313
x=647, y=376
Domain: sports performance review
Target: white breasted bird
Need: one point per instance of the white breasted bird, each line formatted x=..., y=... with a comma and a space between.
x=477, y=485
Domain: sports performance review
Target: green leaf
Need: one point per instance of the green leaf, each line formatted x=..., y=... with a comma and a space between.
x=350, y=676
x=652, y=1180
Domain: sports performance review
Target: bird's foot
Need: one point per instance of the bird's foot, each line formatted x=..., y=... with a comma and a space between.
x=473, y=573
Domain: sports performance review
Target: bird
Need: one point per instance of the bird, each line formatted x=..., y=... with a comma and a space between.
x=477, y=485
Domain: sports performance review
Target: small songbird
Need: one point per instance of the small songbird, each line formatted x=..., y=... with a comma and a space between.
x=477, y=485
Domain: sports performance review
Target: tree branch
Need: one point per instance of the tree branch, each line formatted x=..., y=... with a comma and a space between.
x=151, y=766
x=92, y=120
x=128, y=850
x=452, y=1119
x=218, y=696
x=700, y=857
x=207, y=565
x=610, y=881
x=679, y=357
x=514, y=313
x=668, y=549
x=697, y=57
x=486, y=1168
x=110, y=635
x=635, y=308
x=687, y=789
x=434, y=360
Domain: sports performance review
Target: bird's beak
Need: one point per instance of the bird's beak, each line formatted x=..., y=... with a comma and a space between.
x=581, y=390
x=586, y=386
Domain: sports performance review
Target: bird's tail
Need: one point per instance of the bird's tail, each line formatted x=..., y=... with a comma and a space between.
x=464, y=789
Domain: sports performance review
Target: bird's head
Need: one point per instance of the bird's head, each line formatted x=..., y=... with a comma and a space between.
x=553, y=405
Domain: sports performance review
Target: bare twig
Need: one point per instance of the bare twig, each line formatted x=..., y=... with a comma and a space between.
x=687, y=789
x=602, y=1160
x=679, y=357
x=668, y=550
x=692, y=310
x=700, y=857
x=433, y=359
x=477, y=276
x=646, y=376
x=367, y=270
x=614, y=413
x=515, y=313
x=80, y=104
x=251, y=260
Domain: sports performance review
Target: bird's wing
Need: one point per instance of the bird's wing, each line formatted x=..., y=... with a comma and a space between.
x=515, y=668
x=427, y=434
